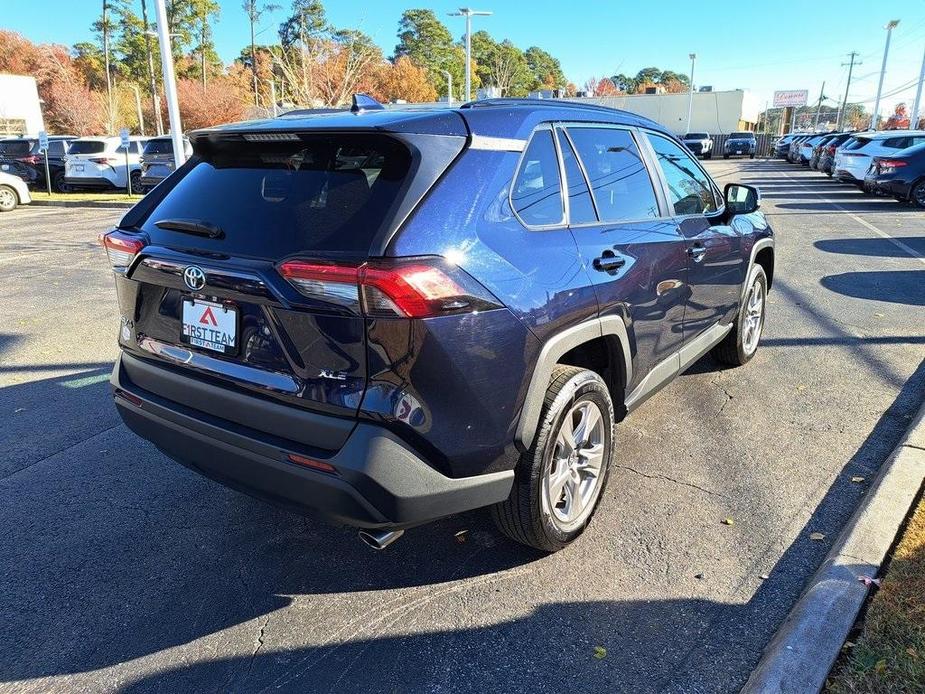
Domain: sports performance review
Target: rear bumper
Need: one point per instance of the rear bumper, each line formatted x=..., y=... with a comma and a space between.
x=88, y=182
x=379, y=481
x=888, y=186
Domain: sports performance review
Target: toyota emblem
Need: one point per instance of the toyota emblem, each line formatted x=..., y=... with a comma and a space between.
x=194, y=277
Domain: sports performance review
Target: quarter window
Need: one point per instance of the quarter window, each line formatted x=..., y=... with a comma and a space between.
x=690, y=190
x=580, y=207
x=619, y=179
x=537, y=194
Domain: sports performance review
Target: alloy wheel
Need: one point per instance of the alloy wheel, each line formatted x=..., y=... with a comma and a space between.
x=7, y=199
x=754, y=318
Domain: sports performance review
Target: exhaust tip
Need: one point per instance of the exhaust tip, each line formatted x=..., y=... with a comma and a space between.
x=380, y=539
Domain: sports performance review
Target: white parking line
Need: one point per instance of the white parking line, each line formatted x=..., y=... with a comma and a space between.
x=863, y=222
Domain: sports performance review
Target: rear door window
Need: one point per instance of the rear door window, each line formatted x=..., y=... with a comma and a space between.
x=14, y=148
x=690, y=189
x=86, y=147
x=271, y=199
x=537, y=195
x=580, y=207
x=620, y=182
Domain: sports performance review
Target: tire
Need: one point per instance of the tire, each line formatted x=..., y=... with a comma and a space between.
x=709, y=155
x=917, y=194
x=9, y=199
x=741, y=344
x=751, y=156
x=57, y=182
x=725, y=156
x=528, y=516
x=135, y=178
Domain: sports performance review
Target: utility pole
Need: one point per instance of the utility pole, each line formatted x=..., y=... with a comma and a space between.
x=141, y=118
x=844, y=106
x=155, y=97
x=449, y=87
x=917, y=104
x=105, y=27
x=690, y=98
x=170, y=83
x=469, y=13
x=886, y=51
x=202, y=50
x=819, y=106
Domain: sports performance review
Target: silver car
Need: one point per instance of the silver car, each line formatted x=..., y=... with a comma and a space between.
x=157, y=161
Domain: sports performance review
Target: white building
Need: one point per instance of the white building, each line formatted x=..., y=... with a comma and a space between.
x=20, y=109
x=717, y=113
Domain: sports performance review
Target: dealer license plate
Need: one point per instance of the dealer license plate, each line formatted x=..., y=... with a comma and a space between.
x=209, y=325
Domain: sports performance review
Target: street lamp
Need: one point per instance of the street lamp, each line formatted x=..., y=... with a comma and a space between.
x=170, y=84
x=690, y=98
x=272, y=84
x=469, y=13
x=886, y=51
x=449, y=87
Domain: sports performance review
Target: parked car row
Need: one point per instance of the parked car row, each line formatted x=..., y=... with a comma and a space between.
x=90, y=163
x=886, y=162
x=738, y=144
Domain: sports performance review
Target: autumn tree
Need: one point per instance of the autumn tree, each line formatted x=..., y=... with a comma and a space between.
x=427, y=41
x=601, y=87
x=222, y=101
x=402, y=80
x=545, y=69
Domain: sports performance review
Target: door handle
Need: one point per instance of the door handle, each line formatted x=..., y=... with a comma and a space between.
x=697, y=253
x=609, y=261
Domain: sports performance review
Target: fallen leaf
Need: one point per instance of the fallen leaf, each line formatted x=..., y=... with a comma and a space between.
x=868, y=581
x=462, y=536
x=600, y=652
x=879, y=315
x=764, y=577
x=698, y=575
x=817, y=536
x=881, y=665
x=728, y=521
x=912, y=652
x=857, y=479
x=801, y=387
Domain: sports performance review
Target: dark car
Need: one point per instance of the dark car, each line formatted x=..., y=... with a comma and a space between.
x=157, y=160
x=793, y=151
x=700, y=144
x=782, y=145
x=827, y=155
x=389, y=316
x=27, y=151
x=739, y=144
x=19, y=169
x=901, y=175
x=818, y=148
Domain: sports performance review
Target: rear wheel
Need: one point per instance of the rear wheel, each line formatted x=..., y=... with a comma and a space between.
x=709, y=155
x=725, y=156
x=135, y=178
x=57, y=182
x=8, y=199
x=918, y=194
x=558, y=482
x=740, y=345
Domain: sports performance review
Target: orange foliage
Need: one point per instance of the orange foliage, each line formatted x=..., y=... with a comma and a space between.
x=223, y=101
x=402, y=80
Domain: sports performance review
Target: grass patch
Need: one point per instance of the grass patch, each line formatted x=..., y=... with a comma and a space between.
x=889, y=654
x=82, y=196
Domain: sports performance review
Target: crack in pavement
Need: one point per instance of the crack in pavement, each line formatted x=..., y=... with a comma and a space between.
x=672, y=479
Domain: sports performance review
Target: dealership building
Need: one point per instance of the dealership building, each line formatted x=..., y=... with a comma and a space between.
x=717, y=113
x=20, y=108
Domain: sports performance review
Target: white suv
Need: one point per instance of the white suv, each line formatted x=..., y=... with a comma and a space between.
x=854, y=158
x=100, y=162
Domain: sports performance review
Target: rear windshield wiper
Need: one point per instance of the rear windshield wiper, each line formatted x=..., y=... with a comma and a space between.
x=192, y=226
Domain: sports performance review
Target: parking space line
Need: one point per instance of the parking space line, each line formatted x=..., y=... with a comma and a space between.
x=863, y=222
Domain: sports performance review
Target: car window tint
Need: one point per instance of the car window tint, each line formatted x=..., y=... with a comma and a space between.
x=537, y=197
x=690, y=189
x=56, y=147
x=619, y=178
x=580, y=207
x=86, y=147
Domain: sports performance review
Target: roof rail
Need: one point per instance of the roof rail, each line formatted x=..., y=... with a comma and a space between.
x=551, y=103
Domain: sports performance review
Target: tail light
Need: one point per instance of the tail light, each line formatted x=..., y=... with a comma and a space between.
x=400, y=288
x=31, y=159
x=121, y=248
x=104, y=160
x=831, y=149
x=890, y=165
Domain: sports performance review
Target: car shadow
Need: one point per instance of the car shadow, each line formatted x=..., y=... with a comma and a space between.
x=894, y=286
x=873, y=246
x=112, y=553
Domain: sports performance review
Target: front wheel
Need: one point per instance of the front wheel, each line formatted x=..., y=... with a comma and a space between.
x=558, y=482
x=725, y=156
x=8, y=199
x=740, y=345
x=918, y=194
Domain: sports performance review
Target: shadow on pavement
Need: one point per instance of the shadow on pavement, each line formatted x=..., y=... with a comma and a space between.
x=873, y=246
x=894, y=286
x=120, y=554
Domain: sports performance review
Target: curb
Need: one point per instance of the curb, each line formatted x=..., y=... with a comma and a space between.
x=108, y=204
x=801, y=654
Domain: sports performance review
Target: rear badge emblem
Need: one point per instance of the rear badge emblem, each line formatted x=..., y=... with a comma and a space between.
x=194, y=278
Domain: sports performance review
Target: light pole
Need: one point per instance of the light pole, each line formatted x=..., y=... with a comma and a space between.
x=469, y=13
x=690, y=99
x=170, y=83
x=141, y=118
x=272, y=84
x=886, y=51
x=917, y=104
x=449, y=87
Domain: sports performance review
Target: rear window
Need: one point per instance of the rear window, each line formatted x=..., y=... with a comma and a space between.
x=159, y=147
x=271, y=199
x=14, y=148
x=696, y=136
x=858, y=143
x=86, y=147
x=742, y=135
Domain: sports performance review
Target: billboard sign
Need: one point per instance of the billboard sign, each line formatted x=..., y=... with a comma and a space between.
x=793, y=97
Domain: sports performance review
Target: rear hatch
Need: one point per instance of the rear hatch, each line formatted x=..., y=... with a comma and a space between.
x=157, y=161
x=90, y=159
x=203, y=288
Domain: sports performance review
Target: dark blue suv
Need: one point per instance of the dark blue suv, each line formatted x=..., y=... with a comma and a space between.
x=390, y=316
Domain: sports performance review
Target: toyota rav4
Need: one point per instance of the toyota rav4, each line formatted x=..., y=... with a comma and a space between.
x=390, y=316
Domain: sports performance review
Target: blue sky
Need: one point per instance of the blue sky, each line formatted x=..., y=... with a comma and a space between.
x=768, y=51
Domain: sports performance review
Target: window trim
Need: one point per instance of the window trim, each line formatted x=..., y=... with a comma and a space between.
x=563, y=199
x=559, y=127
x=717, y=195
x=647, y=162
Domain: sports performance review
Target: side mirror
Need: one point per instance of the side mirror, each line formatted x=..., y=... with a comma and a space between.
x=741, y=199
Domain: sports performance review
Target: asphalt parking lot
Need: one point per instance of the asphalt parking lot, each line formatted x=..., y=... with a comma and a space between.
x=121, y=570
